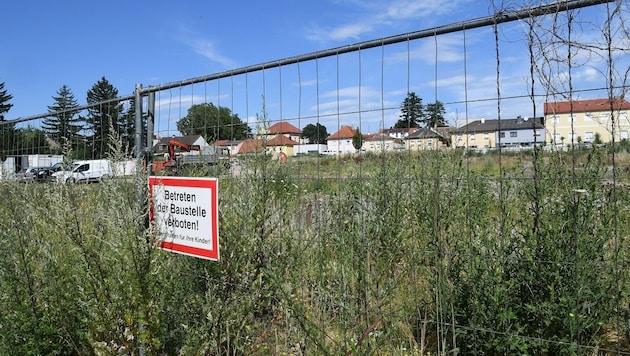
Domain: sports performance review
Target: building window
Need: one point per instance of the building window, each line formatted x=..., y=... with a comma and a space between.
x=513, y=134
x=486, y=136
x=459, y=138
x=430, y=143
x=502, y=134
x=571, y=118
x=555, y=119
x=623, y=134
x=472, y=137
x=588, y=116
x=588, y=136
x=537, y=133
x=605, y=116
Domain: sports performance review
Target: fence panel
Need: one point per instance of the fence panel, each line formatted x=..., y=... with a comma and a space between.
x=497, y=226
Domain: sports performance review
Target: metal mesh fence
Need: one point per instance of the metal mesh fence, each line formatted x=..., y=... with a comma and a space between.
x=454, y=236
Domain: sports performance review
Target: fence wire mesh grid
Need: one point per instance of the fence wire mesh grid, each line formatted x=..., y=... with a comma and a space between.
x=363, y=208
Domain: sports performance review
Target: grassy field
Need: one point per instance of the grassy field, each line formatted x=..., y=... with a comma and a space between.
x=411, y=253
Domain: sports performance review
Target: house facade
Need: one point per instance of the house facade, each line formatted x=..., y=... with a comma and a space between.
x=283, y=128
x=425, y=138
x=571, y=122
x=281, y=144
x=382, y=142
x=232, y=147
x=521, y=132
x=340, y=142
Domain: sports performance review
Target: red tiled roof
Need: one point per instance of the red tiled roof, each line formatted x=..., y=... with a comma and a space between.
x=284, y=128
x=281, y=140
x=343, y=133
x=252, y=146
x=564, y=107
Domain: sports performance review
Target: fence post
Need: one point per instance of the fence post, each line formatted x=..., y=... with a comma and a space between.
x=150, y=121
x=140, y=196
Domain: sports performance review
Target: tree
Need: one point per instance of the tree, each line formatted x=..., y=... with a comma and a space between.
x=357, y=139
x=213, y=123
x=7, y=130
x=103, y=117
x=4, y=101
x=435, y=114
x=30, y=140
x=127, y=129
x=315, y=133
x=411, y=112
x=63, y=126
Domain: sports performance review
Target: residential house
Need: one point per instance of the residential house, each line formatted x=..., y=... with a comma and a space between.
x=283, y=128
x=425, y=139
x=569, y=122
x=398, y=132
x=251, y=146
x=521, y=132
x=382, y=142
x=282, y=144
x=231, y=147
x=340, y=142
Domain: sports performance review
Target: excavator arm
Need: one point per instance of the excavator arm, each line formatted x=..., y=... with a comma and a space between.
x=172, y=158
x=182, y=146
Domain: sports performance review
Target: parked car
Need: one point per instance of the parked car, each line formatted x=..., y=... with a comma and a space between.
x=46, y=174
x=87, y=171
x=29, y=174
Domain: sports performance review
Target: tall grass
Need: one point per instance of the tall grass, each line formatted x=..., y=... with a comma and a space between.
x=423, y=253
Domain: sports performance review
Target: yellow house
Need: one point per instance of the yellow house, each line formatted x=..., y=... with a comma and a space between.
x=571, y=122
x=425, y=139
x=282, y=144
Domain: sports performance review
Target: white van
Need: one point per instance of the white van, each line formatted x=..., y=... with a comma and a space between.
x=86, y=171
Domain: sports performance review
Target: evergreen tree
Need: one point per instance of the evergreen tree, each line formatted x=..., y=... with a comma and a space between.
x=357, y=139
x=7, y=130
x=128, y=127
x=411, y=112
x=62, y=126
x=435, y=114
x=103, y=116
x=4, y=101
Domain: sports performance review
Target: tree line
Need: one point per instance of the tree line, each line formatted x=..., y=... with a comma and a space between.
x=89, y=134
x=66, y=129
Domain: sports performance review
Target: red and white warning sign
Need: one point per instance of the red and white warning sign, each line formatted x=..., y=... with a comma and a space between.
x=183, y=212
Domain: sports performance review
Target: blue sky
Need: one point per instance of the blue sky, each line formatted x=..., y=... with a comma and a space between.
x=75, y=43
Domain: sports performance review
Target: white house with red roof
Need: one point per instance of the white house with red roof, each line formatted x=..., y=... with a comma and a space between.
x=340, y=142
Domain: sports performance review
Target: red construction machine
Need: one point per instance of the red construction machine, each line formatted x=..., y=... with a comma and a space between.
x=171, y=162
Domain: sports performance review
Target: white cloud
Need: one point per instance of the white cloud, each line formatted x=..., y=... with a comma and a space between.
x=370, y=17
x=207, y=49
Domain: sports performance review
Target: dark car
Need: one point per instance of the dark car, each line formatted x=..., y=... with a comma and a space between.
x=45, y=174
x=29, y=174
